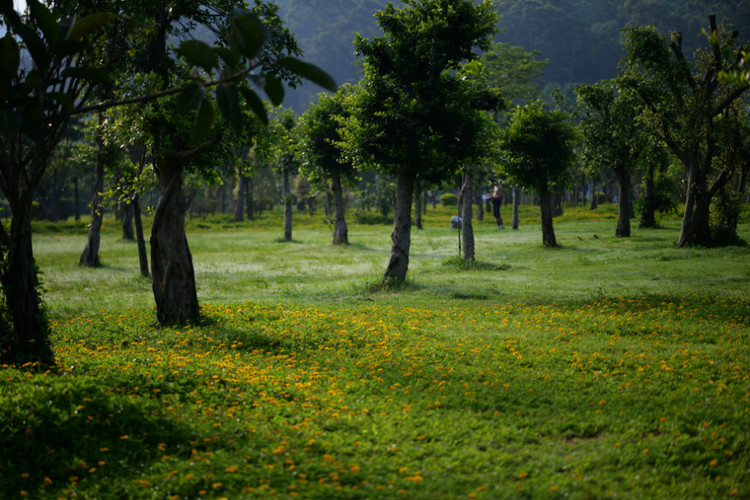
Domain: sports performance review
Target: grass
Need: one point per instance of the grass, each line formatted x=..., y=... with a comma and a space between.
x=605, y=368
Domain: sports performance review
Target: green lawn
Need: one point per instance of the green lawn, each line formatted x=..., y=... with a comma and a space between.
x=605, y=368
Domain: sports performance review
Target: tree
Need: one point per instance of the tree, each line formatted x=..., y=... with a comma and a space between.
x=612, y=139
x=35, y=106
x=36, y=103
x=254, y=41
x=683, y=100
x=321, y=154
x=539, y=151
x=413, y=116
x=276, y=148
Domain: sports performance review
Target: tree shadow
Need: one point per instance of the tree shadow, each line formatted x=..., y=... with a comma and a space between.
x=69, y=430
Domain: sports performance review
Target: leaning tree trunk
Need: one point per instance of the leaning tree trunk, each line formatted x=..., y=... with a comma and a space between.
x=142, y=254
x=515, y=207
x=548, y=231
x=467, y=230
x=90, y=255
x=401, y=235
x=171, y=261
x=28, y=339
x=340, y=231
x=623, y=203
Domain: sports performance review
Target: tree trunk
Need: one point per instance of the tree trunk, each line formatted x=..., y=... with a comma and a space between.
x=340, y=232
x=479, y=204
x=648, y=208
x=28, y=340
x=548, y=231
x=171, y=261
x=623, y=203
x=288, y=208
x=127, y=222
x=90, y=255
x=401, y=235
x=418, y=204
x=249, y=204
x=516, y=196
x=594, y=197
x=142, y=254
x=76, y=201
x=696, y=229
x=467, y=230
x=239, y=205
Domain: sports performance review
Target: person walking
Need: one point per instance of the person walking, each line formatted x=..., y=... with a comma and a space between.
x=497, y=201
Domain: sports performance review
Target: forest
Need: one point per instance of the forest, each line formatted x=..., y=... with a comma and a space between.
x=197, y=200
x=582, y=39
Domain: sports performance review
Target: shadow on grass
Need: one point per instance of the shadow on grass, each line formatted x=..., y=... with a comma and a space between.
x=58, y=430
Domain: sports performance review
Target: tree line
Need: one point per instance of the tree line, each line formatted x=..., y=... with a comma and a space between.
x=438, y=100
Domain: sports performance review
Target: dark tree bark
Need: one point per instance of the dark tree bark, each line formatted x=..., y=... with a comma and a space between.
x=648, y=211
x=76, y=201
x=418, y=204
x=479, y=204
x=28, y=341
x=140, y=240
x=340, y=231
x=548, y=231
x=171, y=261
x=696, y=221
x=467, y=230
x=249, y=201
x=623, y=203
x=127, y=222
x=516, y=196
x=288, y=205
x=401, y=235
x=90, y=255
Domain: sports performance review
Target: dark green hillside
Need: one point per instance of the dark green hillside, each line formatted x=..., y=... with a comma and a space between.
x=581, y=38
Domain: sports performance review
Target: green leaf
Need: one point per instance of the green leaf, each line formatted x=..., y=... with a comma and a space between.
x=274, y=89
x=66, y=48
x=190, y=97
x=89, y=24
x=230, y=57
x=227, y=97
x=11, y=58
x=10, y=122
x=309, y=72
x=44, y=19
x=204, y=120
x=247, y=34
x=34, y=44
x=64, y=100
x=255, y=103
x=199, y=54
x=91, y=74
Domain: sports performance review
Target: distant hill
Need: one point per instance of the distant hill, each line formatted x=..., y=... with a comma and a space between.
x=581, y=38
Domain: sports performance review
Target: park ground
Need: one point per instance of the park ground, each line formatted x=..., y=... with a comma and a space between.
x=607, y=368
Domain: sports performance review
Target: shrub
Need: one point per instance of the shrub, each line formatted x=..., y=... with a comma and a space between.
x=449, y=200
